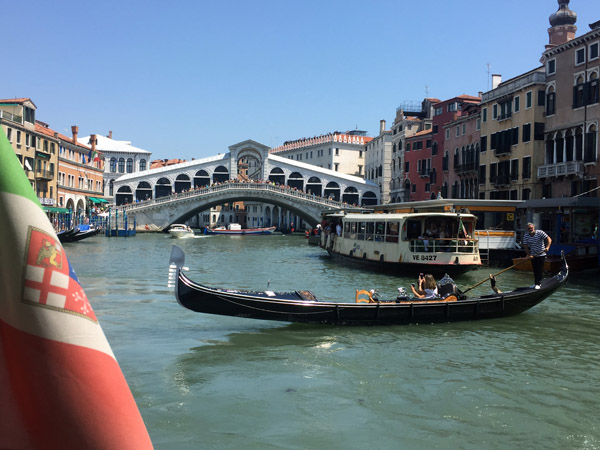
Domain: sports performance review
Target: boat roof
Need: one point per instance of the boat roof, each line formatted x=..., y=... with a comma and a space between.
x=397, y=216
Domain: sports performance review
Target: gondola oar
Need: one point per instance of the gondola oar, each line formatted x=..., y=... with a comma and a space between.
x=496, y=274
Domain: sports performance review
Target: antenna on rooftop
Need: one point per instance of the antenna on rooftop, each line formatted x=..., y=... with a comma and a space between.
x=488, y=75
x=426, y=91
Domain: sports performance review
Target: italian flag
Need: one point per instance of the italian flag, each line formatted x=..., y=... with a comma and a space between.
x=60, y=384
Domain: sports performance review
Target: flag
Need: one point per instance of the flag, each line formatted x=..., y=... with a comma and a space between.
x=60, y=384
x=93, y=156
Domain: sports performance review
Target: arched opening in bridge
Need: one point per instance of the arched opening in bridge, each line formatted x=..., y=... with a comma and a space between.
x=124, y=196
x=143, y=191
x=296, y=180
x=369, y=198
x=277, y=176
x=182, y=183
x=332, y=190
x=162, y=188
x=201, y=179
x=351, y=195
x=220, y=175
x=314, y=186
x=249, y=167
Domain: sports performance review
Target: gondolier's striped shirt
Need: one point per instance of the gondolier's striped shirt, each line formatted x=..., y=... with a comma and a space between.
x=536, y=243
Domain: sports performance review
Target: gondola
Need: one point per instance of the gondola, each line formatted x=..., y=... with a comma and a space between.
x=304, y=307
x=75, y=234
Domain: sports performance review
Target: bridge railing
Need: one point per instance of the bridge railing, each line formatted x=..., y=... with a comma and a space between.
x=192, y=193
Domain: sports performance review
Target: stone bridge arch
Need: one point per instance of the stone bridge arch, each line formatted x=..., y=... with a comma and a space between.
x=179, y=208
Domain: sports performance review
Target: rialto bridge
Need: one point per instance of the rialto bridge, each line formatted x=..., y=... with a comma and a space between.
x=173, y=194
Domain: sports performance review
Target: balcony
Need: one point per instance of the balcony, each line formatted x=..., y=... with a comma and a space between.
x=12, y=117
x=561, y=169
x=44, y=175
x=466, y=167
x=505, y=116
x=425, y=172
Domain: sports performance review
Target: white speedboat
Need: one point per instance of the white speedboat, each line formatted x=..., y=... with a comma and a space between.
x=180, y=231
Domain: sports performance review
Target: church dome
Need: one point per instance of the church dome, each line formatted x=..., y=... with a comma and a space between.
x=564, y=16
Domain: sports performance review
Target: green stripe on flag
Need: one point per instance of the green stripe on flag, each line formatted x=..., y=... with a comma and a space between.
x=12, y=177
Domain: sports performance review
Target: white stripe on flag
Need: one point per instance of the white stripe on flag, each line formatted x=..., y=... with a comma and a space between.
x=35, y=273
x=57, y=300
x=59, y=279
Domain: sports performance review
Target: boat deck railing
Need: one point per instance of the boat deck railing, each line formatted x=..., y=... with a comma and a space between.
x=444, y=245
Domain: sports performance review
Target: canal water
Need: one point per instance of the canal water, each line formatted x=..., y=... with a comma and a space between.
x=530, y=381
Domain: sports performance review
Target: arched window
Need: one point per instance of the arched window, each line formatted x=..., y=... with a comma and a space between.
x=129, y=165
x=142, y=164
x=113, y=165
x=121, y=165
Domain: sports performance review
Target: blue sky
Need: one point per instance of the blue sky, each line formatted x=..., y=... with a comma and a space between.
x=187, y=79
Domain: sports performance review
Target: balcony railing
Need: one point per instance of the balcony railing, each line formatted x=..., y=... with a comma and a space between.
x=44, y=174
x=505, y=116
x=466, y=167
x=561, y=169
x=12, y=117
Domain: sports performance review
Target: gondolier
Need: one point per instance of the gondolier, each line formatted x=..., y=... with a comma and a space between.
x=536, y=243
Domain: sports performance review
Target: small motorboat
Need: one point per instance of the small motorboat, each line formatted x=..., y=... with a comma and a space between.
x=305, y=307
x=180, y=231
x=235, y=229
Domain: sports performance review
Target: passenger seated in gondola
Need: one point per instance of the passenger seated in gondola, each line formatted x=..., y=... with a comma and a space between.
x=427, y=287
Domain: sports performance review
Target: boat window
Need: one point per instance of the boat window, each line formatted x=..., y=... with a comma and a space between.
x=379, y=231
x=353, y=230
x=346, y=228
x=370, y=231
x=361, y=231
x=413, y=229
x=392, y=231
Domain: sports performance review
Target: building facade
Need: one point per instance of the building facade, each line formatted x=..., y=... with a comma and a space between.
x=340, y=152
x=572, y=108
x=119, y=158
x=410, y=119
x=38, y=153
x=460, y=155
x=512, y=137
x=445, y=112
x=378, y=161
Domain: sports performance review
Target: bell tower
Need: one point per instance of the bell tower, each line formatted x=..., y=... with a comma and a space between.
x=562, y=25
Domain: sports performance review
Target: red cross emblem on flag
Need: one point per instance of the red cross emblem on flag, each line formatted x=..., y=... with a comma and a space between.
x=48, y=281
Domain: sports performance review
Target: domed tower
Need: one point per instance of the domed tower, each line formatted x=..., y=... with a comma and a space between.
x=562, y=25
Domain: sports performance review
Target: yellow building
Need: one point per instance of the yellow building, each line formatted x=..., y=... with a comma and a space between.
x=38, y=153
x=512, y=137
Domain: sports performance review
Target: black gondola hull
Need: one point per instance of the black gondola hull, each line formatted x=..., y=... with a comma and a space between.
x=292, y=307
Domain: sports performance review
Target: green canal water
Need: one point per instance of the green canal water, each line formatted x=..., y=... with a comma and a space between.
x=530, y=381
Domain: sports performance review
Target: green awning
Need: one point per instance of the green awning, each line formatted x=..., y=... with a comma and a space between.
x=97, y=200
x=55, y=210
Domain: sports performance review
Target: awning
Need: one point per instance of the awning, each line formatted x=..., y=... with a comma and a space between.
x=97, y=200
x=55, y=210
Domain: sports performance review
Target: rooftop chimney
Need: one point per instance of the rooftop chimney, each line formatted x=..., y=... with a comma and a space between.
x=110, y=134
x=496, y=80
x=381, y=126
x=93, y=141
x=75, y=130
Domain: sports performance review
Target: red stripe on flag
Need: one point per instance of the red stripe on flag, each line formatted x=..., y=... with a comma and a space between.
x=68, y=396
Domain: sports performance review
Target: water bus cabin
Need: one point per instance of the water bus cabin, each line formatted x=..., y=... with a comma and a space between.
x=436, y=243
